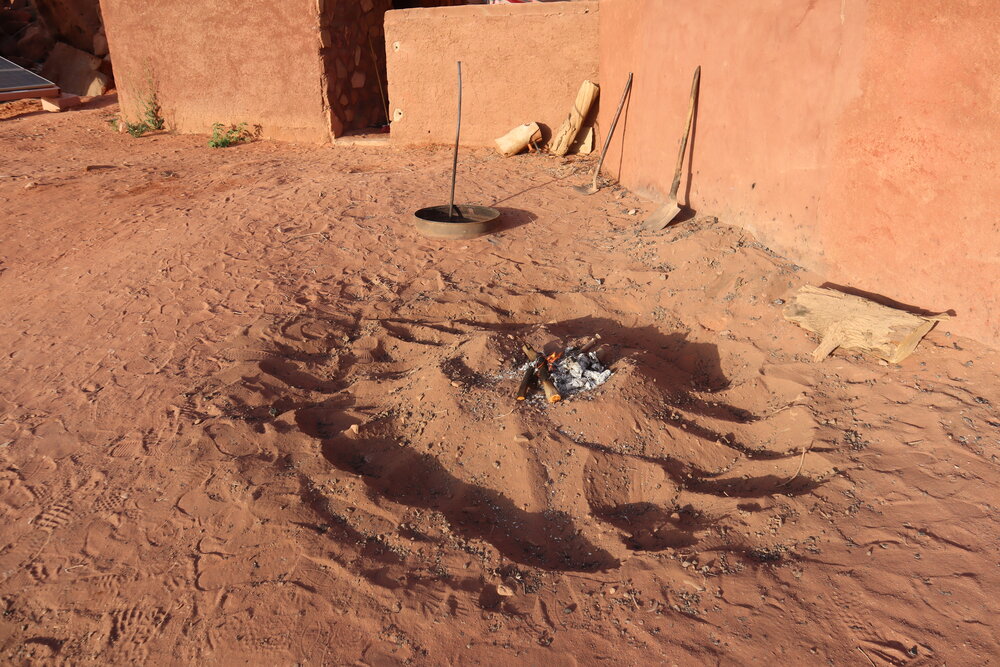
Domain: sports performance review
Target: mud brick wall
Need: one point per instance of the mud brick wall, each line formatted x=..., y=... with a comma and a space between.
x=354, y=59
x=858, y=138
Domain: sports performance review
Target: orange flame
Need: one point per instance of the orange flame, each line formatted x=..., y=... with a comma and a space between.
x=552, y=359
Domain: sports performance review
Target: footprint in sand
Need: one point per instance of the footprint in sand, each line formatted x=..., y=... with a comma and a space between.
x=368, y=350
x=128, y=447
x=55, y=441
x=231, y=441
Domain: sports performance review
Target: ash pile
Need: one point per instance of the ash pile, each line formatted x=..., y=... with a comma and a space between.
x=564, y=373
x=575, y=372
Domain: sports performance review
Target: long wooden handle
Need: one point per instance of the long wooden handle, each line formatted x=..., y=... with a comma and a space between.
x=611, y=130
x=458, y=132
x=675, y=186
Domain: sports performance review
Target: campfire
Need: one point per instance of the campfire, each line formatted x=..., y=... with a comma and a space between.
x=563, y=373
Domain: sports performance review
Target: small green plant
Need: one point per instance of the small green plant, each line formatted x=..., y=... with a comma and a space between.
x=223, y=136
x=137, y=129
x=151, y=119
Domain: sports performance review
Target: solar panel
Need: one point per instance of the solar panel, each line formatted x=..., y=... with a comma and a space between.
x=14, y=78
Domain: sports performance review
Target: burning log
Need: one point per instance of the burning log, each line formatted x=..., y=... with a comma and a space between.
x=541, y=368
x=526, y=381
x=563, y=373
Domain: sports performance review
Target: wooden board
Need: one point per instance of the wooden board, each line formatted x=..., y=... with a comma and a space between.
x=27, y=94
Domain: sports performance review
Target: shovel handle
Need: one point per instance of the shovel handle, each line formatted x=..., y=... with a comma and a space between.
x=611, y=130
x=675, y=186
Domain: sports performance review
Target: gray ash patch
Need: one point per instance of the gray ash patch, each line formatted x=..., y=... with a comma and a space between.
x=577, y=372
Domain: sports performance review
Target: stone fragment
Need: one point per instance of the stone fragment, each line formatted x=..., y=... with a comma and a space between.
x=61, y=103
x=75, y=71
x=100, y=44
x=34, y=43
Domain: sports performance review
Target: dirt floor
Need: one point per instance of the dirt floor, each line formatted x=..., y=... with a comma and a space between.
x=248, y=414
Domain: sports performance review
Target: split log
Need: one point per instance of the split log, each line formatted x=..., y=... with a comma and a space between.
x=855, y=323
x=515, y=141
x=563, y=139
x=585, y=144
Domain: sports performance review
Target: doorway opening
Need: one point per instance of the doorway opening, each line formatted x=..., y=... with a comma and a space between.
x=353, y=38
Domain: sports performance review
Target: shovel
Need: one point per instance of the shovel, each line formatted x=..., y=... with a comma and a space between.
x=607, y=142
x=664, y=215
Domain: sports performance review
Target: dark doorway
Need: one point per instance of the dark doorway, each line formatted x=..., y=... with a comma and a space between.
x=353, y=37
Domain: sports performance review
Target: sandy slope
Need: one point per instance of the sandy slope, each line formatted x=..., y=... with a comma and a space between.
x=190, y=334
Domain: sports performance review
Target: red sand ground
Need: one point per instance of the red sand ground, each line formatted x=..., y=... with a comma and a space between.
x=190, y=334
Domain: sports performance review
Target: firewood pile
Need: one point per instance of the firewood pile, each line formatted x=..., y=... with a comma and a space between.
x=562, y=374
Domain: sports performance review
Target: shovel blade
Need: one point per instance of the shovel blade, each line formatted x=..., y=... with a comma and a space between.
x=586, y=189
x=661, y=217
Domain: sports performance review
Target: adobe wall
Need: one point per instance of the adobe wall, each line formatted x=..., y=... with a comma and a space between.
x=222, y=61
x=520, y=63
x=858, y=137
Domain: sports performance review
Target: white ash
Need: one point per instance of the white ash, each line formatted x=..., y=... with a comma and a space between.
x=575, y=372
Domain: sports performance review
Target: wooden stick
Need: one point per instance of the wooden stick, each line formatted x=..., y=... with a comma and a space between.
x=611, y=131
x=526, y=381
x=586, y=347
x=551, y=393
x=866, y=655
x=378, y=76
x=458, y=132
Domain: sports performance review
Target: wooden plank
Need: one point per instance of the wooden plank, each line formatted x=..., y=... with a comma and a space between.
x=28, y=94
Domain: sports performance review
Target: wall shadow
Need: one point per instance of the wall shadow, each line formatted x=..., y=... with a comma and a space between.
x=687, y=375
x=512, y=218
x=886, y=301
x=394, y=471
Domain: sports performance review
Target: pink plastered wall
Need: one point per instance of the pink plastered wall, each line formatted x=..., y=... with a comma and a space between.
x=222, y=61
x=521, y=63
x=857, y=137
